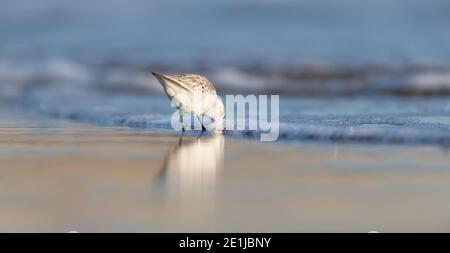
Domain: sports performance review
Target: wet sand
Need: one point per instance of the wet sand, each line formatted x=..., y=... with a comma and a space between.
x=60, y=176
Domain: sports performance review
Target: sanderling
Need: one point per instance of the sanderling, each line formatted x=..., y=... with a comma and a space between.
x=193, y=94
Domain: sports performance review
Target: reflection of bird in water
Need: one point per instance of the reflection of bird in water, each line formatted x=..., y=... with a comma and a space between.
x=191, y=168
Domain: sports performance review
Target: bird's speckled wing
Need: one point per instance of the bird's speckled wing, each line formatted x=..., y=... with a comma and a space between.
x=195, y=83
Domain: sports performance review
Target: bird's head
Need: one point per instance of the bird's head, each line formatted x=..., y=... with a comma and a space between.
x=217, y=112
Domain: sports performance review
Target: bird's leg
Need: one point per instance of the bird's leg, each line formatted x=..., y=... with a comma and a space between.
x=181, y=121
x=201, y=121
x=203, y=128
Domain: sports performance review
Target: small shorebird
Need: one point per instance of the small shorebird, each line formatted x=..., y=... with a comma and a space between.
x=193, y=94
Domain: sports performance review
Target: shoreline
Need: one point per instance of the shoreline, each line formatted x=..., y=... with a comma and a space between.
x=92, y=179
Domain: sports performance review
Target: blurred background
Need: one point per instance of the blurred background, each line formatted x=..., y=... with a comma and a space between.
x=246, y=43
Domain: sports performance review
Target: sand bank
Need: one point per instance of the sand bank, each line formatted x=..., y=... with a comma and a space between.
x=60, y=176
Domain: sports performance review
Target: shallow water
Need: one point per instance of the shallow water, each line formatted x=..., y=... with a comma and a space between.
x=58, y=176
x=351, y=119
